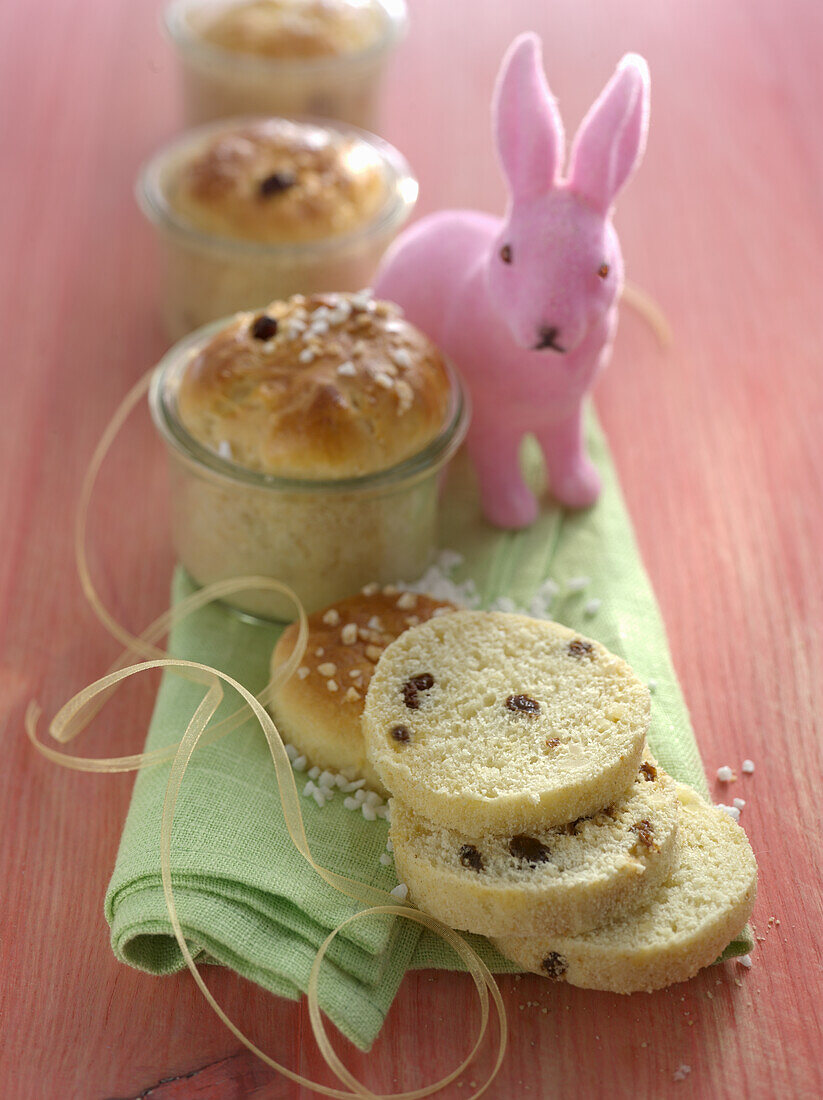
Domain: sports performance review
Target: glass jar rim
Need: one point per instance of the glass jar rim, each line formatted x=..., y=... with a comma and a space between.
x=162, y=392
x=182, y=35
x=401, y=193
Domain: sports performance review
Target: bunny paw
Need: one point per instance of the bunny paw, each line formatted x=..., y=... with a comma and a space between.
x=578, y=487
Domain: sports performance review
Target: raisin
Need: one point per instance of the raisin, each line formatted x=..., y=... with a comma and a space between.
x=552, y=742
x=645, y=832
x=555, y=965
x=277, y=183
x=529, y=849
x=579, y=648
x=416, y=684
x=264, y=327
x=648, y=771
x=470, y=857
x=401, y=733
x=523, y=704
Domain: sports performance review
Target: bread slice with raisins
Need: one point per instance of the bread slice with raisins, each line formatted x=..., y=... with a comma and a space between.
x=559, y=880
x=319, y=708
x=494, y=723
x=703, y=904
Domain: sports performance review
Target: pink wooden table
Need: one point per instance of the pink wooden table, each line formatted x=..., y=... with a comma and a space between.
x=718, y=444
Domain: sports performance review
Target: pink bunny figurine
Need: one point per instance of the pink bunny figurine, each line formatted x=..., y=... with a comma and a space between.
x=526, y=305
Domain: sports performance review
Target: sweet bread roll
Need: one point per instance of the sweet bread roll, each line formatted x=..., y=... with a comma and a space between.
x=328, y=387
x=319, y=708
x=292, y=29
x=687, y=923
x=561, y=880
x=523, y=724
x=274, y=181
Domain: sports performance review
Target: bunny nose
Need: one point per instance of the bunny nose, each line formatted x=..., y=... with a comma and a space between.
x=547, y=338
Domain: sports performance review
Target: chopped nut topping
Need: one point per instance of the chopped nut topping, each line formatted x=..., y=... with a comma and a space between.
x=648, y=771
x=555, y=965
x=528, y=849
x=471, y=857
x=348, y=635
x=328, y=668
x=332, y=617
x=579, y=648
x=407, y=601
x=400, y=733
x=523, y=704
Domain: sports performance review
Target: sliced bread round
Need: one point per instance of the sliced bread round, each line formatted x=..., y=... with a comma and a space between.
x=702, y=905
x=562, y=880
x=319, y=708
x=492, y=723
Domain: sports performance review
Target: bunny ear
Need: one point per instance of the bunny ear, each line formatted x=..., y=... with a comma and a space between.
x=527, y=126
x=612, y=136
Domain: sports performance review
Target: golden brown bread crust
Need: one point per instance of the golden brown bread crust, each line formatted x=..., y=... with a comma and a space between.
x=319, y=708
x=344, y=387
x=292, y=29
x=279, y=182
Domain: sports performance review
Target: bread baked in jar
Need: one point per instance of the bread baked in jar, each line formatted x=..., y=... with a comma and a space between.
x=306, y=441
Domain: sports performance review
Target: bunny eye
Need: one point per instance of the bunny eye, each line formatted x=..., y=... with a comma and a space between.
x=603, y=271
x=506, y=253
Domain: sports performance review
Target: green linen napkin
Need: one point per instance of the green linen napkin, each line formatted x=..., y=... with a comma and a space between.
x=246, y=898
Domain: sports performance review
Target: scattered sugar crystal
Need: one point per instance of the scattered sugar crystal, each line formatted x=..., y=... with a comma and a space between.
x=319, y=651
x=332, y=617
x=732, y=811
x=370, y=589
x=319, y=798
x=302, y=672
x=224, y=448
x=352, y=695
x=355, y=673
x=314, y=772
x=682, y=1072
x=331, y=685
x=318, y=328
x=652, y=685
x=351, y=803
x=292, y=752
x=745, y=960
x=503, y=603
x=360, y=795
x=592, y=607
x=725, y=774
x=385, y=859
x=747, y=766
x=355, y=785
x=401, y=891
x=308, y=789
x=299, y=763
x=306, y=355
x=389, y=845
x=577, y=584
x=320, y=313
x=373, y=652
x=328, y=668
x=326, y=779
x=347, y=369
x=374, y=623
x=382, y=379
x=348, y=635
x=373, y=799
x=390, y=589
x=383, y=812
x=407, y=601
x=368, y=812
x=739, y=802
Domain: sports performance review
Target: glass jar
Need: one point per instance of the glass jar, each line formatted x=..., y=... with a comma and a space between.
x=205, y=276
x=325, y=539
x=219, y=82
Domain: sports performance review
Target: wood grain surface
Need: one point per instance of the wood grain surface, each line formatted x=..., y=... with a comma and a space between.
x=718, y=443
